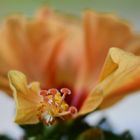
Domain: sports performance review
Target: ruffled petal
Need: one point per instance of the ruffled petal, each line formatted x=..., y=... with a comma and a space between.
x=26, y=97
x=119, y=77
x=103, y=31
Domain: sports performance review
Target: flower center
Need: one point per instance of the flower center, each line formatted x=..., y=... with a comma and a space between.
x=54, y=107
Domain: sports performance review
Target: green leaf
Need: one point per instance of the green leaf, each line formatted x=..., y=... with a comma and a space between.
x=99, y=134
x=112, y=136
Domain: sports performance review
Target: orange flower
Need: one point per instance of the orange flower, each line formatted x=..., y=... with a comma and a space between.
x=34, y=105
x=63, y=52
x=120, y=75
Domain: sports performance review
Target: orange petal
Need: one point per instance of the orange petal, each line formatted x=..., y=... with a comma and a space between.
x=38, y=37
x=93, y=100
x=134, y=45
x=67, y=53
x=103, y=31
x=119, y=77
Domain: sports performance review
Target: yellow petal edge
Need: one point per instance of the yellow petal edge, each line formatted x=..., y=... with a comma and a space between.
x=120, y=76
x=26, y=97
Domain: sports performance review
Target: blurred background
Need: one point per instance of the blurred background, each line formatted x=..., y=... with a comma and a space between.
x=123, y=116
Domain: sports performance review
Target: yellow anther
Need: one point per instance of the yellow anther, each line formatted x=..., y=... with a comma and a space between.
x=54, y=105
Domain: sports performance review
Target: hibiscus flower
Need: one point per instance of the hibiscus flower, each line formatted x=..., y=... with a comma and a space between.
x=66, y=56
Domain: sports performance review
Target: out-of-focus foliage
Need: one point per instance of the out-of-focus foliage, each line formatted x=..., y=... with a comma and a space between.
x=74, y=130
x=5, y=137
